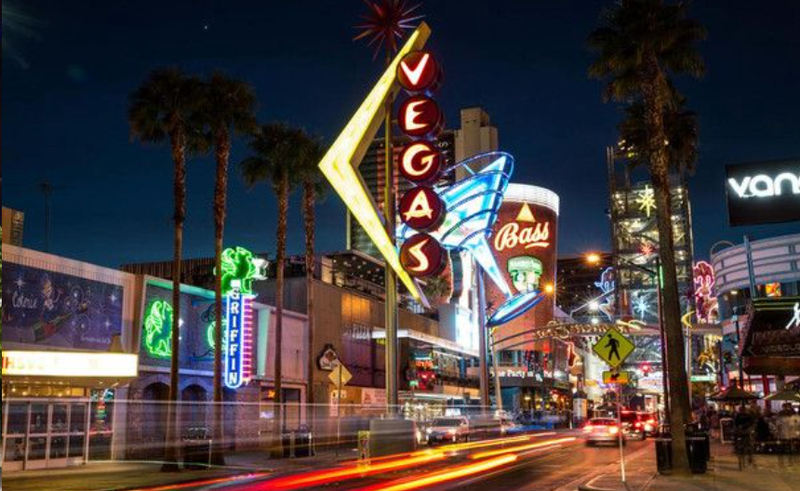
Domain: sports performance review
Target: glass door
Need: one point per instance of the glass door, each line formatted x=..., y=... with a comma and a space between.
x=16, y=422
x=40, y=434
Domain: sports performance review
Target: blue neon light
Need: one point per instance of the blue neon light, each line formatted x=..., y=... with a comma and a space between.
x=515, y=307
x=234, y=329
x=472, y=205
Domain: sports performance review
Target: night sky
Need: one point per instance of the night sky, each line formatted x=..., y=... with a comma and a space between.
x=66, y=91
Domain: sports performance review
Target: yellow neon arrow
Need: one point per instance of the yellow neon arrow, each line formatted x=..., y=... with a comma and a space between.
x=340, y=163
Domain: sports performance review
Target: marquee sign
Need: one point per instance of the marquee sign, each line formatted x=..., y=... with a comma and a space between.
x=63, y=364
x=763, y=192
x=240, y=268
x=421, y=208
x=340, y=163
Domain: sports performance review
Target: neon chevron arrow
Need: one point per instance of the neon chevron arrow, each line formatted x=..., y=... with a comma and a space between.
x=340, y=163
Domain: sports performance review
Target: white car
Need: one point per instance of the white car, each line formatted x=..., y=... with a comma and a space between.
x=451, y=429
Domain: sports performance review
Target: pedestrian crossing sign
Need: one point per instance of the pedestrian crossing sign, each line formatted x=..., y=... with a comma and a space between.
x=616, y=377
x=613, y=348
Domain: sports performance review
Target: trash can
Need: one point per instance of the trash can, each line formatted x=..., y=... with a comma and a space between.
x=196, y=448
x=698, y=449
x=664, y=452
x=288, y=444
x=303, y=442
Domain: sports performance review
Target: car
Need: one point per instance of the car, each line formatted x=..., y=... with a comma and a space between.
x=632, y=425
x=452, y=429
x=649, y=423
x=602, y=430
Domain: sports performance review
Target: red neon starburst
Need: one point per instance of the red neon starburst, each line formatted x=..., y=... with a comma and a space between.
x=386, y=22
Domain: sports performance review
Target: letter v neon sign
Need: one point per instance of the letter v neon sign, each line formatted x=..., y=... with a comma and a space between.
x=340, y=163
x=415, y=74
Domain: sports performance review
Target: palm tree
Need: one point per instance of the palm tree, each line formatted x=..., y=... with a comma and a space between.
x=641, y=44
x=228, y=107
x=276, y=155
x=681, y=129
x=314, y=189
x=165, y=108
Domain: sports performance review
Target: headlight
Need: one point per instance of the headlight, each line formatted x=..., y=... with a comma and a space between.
x=429, y=431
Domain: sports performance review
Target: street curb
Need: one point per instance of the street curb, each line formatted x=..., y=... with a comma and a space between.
x=588, y=486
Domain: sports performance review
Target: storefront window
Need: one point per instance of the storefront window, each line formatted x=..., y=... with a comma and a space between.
x=38, y=422
x=15, y=449
x=17, y=418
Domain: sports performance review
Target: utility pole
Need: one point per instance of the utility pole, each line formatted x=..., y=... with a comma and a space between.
x=392, y=348
x=47, y=190
x=482, y=344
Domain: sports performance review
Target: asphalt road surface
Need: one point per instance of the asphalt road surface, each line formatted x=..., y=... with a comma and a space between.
x=543, y=462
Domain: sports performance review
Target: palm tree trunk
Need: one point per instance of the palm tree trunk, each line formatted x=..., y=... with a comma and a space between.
x=654, y=98
x=309, y=197
x=222, y=153
x=178, y=142
x=280, y=259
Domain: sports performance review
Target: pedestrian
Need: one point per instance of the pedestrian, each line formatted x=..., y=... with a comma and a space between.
x=713, y=421
x=786, y=432
x=744, y=425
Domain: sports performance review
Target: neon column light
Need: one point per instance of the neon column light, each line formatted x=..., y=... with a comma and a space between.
x=340, y=162
x=234, y=351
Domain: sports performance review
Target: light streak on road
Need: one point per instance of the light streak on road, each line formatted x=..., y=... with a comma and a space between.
x=491, y=443
x=207, y=482
x=521, y=448
x=451, y=474
x=327, y=476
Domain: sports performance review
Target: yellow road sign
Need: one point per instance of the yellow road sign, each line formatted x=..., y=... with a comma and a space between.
x=613, y=348
x=340, y=376
x=615, y=377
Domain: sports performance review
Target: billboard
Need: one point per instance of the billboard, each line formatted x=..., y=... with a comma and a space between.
x=524, y=242
x=763, y=192
x=47, y=308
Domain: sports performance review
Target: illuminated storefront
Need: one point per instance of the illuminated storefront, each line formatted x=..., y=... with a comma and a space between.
x=67, y=351
x=776, y=277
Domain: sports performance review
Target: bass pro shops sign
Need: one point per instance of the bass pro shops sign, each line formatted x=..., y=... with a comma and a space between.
x=763, y=192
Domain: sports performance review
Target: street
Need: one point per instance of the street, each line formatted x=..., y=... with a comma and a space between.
x=544, y=462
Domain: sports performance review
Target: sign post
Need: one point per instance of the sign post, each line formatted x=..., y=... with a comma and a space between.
x=339, y=376
x=613, y=348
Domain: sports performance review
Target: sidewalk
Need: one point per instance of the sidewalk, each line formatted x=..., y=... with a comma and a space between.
x=123, y=475
x=768, y=473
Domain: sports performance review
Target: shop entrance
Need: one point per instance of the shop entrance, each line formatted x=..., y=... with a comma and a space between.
x=42, y=433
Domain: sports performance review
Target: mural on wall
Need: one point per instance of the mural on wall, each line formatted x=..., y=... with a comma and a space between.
x=54, y=309
x=197, y=323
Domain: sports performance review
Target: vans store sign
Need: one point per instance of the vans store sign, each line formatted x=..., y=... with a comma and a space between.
x=763, y=192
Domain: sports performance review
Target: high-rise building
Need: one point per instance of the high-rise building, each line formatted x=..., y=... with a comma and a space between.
x=634, y=233
x=475, y=136
x=13, y=225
